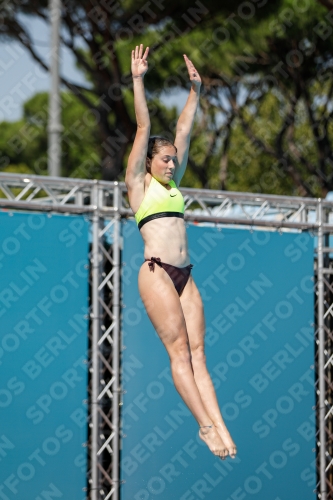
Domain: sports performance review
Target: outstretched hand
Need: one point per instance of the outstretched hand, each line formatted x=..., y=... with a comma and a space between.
x=192, y=72
x=139, y=64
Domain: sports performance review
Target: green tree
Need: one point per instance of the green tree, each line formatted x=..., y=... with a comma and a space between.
x=265, y=121
x=23, y=144
x=270, y=87
x=108, y=31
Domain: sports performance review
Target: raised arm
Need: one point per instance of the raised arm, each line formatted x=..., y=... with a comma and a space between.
x=136, y=166
x=186, y=121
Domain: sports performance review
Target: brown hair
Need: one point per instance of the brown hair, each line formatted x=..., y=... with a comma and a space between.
x=156, y=143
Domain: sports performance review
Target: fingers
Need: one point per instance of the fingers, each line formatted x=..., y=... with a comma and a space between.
x=137, y=53
x=193, y=73
x=188, y=62
x=145, y=55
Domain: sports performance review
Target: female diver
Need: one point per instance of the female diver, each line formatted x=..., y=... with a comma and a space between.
x=169, y=294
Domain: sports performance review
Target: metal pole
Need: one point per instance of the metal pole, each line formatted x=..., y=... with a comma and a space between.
x=95, y=318
x=116, y=343
x=321, y=355
x=54, y=124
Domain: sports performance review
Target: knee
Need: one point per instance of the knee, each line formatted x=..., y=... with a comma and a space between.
x=198, y=355
x=180, y=353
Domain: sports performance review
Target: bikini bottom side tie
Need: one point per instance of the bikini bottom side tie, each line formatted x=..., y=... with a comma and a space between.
x=178, y=275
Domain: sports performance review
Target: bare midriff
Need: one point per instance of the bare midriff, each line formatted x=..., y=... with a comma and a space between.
x=166, y=238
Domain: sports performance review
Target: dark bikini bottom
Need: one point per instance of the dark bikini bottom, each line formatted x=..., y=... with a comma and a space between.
x=178, y=275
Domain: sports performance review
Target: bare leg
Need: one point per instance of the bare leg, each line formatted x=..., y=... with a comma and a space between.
x=195, y=323
x=164, y=310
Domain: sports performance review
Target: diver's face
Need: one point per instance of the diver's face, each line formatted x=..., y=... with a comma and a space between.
x=163, y=164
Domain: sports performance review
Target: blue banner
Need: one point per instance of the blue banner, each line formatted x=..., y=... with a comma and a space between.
x=43, y=356
x=258, y=294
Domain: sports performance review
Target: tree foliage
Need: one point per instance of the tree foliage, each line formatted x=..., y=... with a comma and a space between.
x=265, y=122
x=24, y=143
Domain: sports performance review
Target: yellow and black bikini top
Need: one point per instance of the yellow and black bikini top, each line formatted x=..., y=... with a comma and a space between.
x=160, y=202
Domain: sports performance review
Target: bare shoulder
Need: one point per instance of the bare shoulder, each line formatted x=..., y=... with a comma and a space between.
x=137, y=190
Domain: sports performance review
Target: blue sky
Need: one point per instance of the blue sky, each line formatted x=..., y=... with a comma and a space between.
x=21, y=77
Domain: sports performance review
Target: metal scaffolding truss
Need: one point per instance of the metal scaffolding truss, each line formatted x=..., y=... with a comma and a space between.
x=106, y=204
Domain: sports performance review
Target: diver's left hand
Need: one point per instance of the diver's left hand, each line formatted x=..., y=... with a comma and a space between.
x=193, y=73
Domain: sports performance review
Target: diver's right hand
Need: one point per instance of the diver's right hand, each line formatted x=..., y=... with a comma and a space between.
x=139, y=64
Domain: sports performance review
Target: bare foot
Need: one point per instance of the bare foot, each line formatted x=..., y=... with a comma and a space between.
x=227, y=439
x=212, y=439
